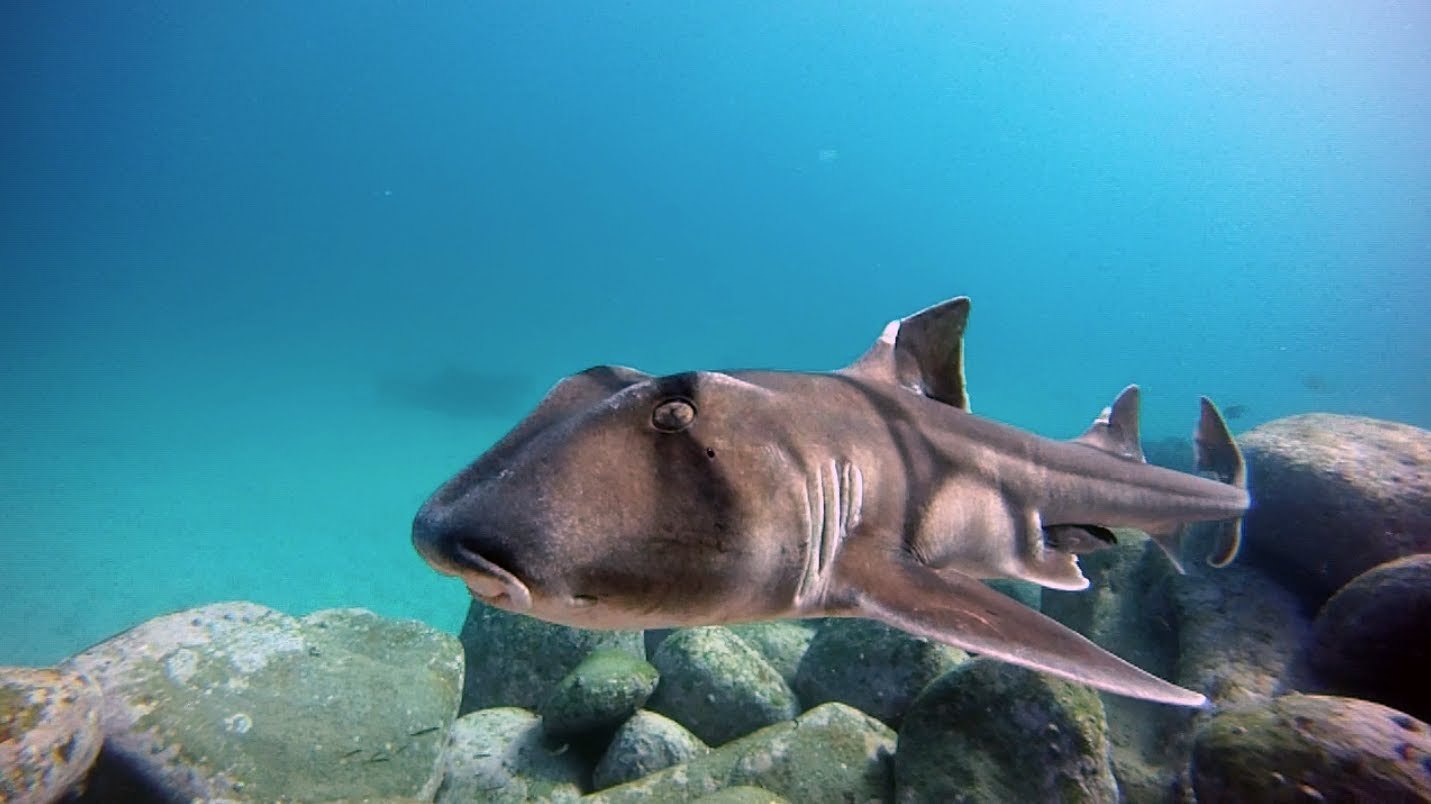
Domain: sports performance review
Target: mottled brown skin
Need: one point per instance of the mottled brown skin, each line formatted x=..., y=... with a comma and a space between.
x=631, y=501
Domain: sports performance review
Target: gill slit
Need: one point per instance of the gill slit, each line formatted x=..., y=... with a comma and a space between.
x=834, y=497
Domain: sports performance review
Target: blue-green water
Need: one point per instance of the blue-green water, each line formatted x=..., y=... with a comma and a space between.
x=269, y=272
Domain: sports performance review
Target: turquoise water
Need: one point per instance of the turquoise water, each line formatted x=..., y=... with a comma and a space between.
x=270, y=272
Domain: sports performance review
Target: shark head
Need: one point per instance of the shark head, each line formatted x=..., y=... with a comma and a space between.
x=625, y=498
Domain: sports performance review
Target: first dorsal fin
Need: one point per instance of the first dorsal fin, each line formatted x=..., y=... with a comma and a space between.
x=1116, y=428
x=923, y=352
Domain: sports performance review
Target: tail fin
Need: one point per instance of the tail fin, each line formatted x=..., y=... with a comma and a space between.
x=1217, y=453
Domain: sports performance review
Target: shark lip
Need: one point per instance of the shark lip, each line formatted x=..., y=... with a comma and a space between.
x=499, y=588
x=490, y=583
x=513, y=597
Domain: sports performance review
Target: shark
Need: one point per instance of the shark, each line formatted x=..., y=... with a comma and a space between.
x=631, y=501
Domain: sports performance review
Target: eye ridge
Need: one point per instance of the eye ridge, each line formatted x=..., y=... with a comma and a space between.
x=673, y=414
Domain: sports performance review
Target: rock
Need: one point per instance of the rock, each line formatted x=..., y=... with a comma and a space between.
x=1372, y=640
x=717, y=686
x=1312, y=748
x=1230, y=633
x=238, y=701
x=990, y=731
x=599, y=694
x=1026, y=592
x=1238, y=631
x=646, y=743
x=830, y=753
x=49, y=732
x=515, y=660
x=1128, y=610
x=871, y=666
x=782, y=642
x=1335, y=496
x=501, y=756
x=742, y=795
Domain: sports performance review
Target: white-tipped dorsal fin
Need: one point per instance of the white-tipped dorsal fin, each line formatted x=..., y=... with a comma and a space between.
x=923, y=352
x=1116, y=428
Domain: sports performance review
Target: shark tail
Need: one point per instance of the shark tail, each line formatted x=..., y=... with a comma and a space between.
x=1217, y=453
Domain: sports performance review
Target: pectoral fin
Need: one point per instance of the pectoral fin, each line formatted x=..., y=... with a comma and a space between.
x=891, y=586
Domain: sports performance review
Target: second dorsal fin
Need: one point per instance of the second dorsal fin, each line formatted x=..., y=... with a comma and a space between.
x=1116, y=428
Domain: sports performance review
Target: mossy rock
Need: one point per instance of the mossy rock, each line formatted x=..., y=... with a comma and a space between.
x=501, y=756
x=782, y=642
x=742, y=795
x=515, y=660
x=830, y=753
x=872, y=667
x=1313, y=748
x=990, y=731
x=646, y=743
x=49, y=732
x=600, y=693
x=717, y=686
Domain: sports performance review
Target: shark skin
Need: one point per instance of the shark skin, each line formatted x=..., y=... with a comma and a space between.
x=631, y=501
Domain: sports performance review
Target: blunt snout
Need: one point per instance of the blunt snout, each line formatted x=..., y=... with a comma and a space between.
x=454, y=544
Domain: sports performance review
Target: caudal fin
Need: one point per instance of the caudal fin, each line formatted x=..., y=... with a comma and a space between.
x=1217, y=453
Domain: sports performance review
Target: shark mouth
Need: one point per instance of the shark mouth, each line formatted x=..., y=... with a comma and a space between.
x=490, y=583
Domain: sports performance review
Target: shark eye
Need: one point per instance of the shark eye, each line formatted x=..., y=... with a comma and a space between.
x=673, y=415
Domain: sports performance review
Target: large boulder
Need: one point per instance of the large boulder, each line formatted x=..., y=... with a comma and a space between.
x=830, y=753
x=1313, y=748
x=515, y=660
x=1373, y=638
x=717, y=686
x=1334, y=496
x=1238, y=631
x=238, y=701
x=502, y=756
x=49, y=732
x=990, y=731
x=871, y=666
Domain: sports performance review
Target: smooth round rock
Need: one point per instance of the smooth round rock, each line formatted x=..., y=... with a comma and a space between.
x=717, y=686
x=49, y=732
x=599, y=694
x=236, y=701
x=782, y=642
x=646, y=743
x=1373, y=638
x=501, y=756
x=1312, y=748
x=990, y=731
x=871, y=666
x=830, y=753
x=515, y=660
x=743, y=794
x=1334, y=496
